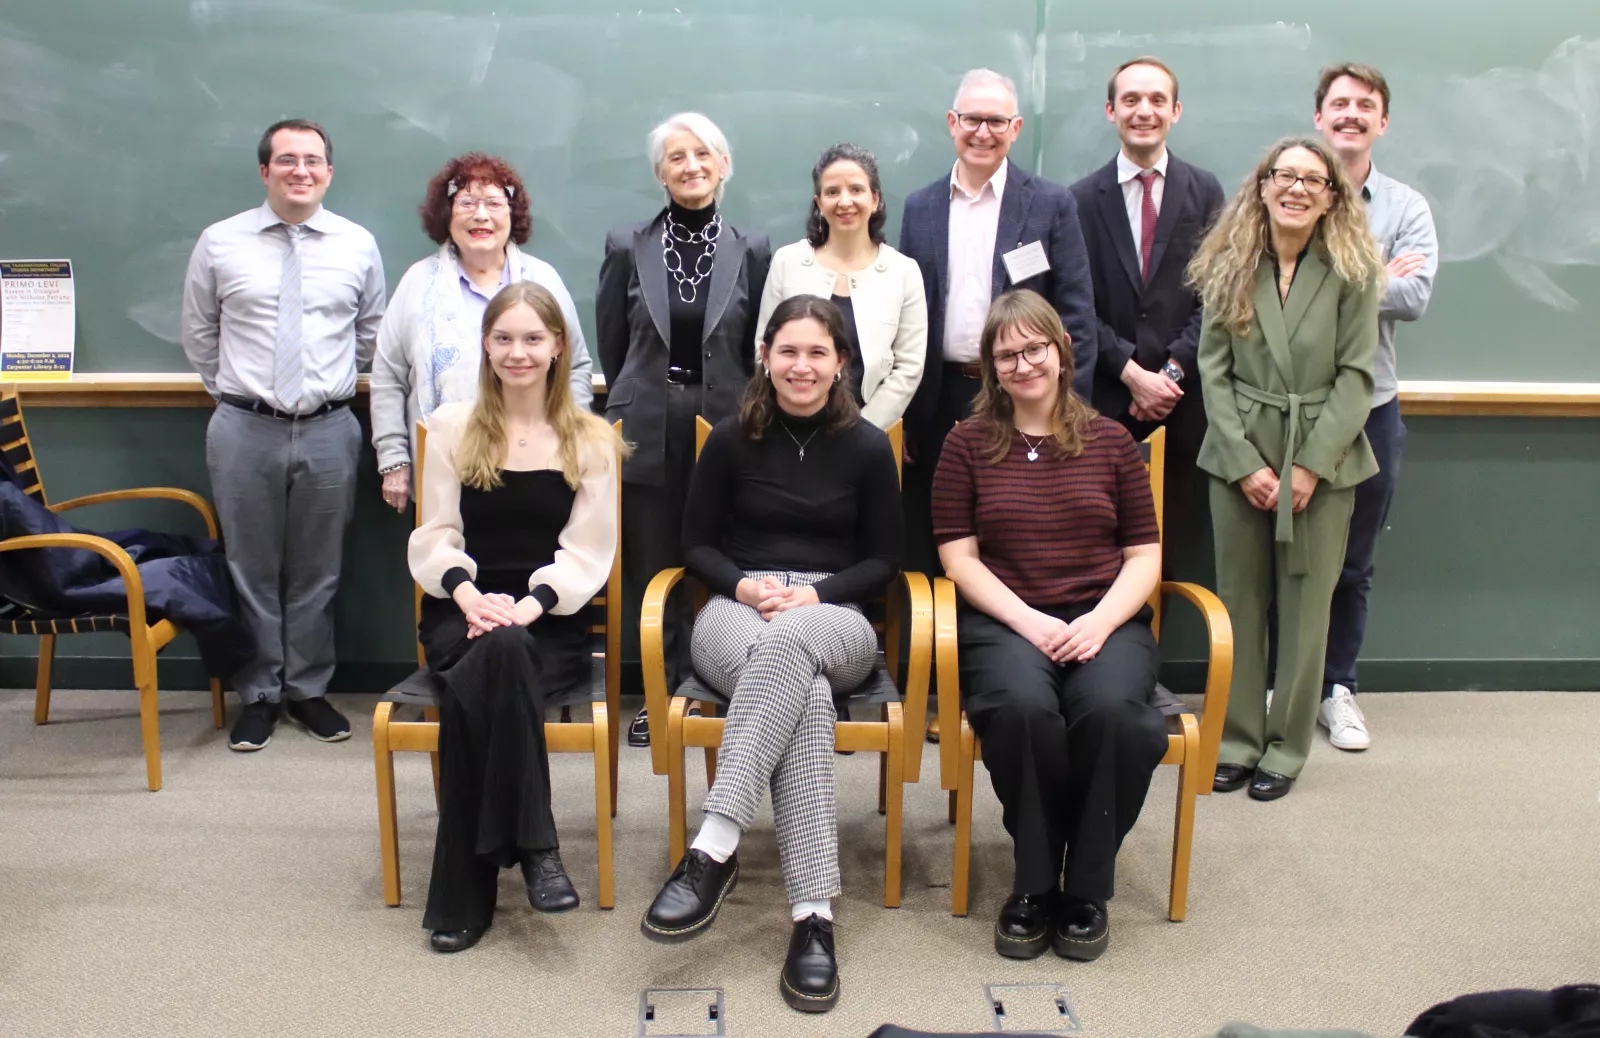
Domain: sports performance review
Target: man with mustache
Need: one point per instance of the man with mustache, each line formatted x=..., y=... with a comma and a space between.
x=1352, y=113
x=1143, y=215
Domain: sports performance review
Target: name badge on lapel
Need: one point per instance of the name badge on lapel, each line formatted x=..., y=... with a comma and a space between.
x=1025, y=262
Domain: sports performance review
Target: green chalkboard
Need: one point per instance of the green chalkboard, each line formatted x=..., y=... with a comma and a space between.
x=126, y=126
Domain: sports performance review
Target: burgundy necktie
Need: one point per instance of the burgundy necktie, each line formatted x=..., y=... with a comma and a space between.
x=1147, y=221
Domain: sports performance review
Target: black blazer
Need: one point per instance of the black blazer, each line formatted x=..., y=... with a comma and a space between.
x=1031, y=209
x=1147, y=322
x=633, y=328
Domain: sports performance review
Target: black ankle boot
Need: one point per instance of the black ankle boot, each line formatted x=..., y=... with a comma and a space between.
x=549, y=889
x=446, y=941
x=1082, y=931
x=810, y=978
x=689, y=900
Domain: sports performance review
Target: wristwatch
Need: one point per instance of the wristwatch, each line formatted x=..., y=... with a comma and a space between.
x=1172, y=371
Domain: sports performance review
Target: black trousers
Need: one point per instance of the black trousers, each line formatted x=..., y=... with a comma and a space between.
x=1347, y=617
x=494, y=770
x=956, y=393
x=652, y=535
x=1070, y=749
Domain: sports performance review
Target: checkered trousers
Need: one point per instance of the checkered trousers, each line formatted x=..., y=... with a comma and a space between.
x=780, y=678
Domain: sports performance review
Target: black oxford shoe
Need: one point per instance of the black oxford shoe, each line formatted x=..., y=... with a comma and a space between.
x=549, y=889
x=688, y=902
x=447, y=941
x=1082, y=931
x=1023, y=929
x=810, y=978
x=1268, y=785
x=1231, y=777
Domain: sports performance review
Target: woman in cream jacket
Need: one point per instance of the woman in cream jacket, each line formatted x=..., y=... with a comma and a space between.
x=878, y=290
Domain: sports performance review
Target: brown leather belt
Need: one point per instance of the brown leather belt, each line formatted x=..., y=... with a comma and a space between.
x=965, y=369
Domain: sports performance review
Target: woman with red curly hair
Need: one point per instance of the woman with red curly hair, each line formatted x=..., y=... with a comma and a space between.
x=476, y=209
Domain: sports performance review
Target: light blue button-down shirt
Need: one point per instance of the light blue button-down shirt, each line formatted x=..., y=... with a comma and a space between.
x=1401, y=222
x=230, y=305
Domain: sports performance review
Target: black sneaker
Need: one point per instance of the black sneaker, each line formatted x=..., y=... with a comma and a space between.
x=319, y=718
x=253, y=729
x=639, y=730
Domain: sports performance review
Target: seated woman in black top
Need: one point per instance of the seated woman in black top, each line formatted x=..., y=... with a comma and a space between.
x=519, y=529
x=793, y=517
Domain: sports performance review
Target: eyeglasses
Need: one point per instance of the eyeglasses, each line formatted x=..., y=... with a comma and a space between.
x=288, y=163
x=995, y=123
x=1034, y=353
x=1314, y=183
x=469, y=204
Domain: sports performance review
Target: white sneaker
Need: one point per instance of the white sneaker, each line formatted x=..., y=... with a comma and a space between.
x=1346, y=725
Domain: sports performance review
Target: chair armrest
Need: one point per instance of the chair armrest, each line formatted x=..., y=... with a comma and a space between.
x=188, y=497
x=653, y=662
x=919, y=598
x=944, y=648
x=1219, y=671
x=100, y=546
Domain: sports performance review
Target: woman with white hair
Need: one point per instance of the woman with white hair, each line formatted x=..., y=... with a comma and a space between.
x=675, y=314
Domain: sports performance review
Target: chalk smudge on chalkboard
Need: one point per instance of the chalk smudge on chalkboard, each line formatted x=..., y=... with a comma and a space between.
x=1531, y=201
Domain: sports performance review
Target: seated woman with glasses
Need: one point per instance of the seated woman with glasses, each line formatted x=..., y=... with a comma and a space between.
x=844, y=257
x=519, y=530
x=1290, y=278
x=1044, y=520
x=793, y=519
x=476, y=210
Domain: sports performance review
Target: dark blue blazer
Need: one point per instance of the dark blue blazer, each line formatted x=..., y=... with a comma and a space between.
x=1147, y=322
x=1032, y=209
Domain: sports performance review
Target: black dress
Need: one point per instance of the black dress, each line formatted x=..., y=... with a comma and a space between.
x=494, y=772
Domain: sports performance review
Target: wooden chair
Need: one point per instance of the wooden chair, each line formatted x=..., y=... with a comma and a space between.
x=896, y=736
x=1191, y=743
x=597, y=735
x=145, y=639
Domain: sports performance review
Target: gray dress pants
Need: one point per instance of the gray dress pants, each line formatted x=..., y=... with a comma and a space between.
x=285, y=491
x=781, y=677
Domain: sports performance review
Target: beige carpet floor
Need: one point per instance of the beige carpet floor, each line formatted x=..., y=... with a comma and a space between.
x=1461, y=853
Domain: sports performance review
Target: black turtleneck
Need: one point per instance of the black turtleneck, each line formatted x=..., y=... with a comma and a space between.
x=689, y=318
x=756, y=504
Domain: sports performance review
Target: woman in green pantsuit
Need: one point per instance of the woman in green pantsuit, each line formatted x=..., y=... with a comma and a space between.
x=1290, y=279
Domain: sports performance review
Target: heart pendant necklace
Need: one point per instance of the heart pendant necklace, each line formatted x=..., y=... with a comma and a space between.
x=1033, y=449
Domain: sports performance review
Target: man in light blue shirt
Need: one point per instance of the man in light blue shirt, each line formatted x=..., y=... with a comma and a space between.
x=280, y=305
x=1352, y=113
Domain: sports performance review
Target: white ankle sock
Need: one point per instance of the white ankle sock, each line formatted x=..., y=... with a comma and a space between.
x=718, y=837
x=801, y=909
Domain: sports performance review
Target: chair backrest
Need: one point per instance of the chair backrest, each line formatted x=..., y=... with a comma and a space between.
x=16, y=446
x=1154, y=450
x=607, y=603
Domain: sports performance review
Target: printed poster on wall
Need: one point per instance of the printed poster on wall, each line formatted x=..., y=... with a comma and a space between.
x=38, y=320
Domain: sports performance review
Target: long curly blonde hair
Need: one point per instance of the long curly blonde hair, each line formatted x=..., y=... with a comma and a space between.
x=481, y=453
x=1223, y=270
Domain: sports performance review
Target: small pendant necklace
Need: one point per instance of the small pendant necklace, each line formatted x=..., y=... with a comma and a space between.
x=1033, y=449
x=796, y=439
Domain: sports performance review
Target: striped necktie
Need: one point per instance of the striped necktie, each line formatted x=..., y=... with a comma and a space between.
x=1147, y=221
x=289, y=368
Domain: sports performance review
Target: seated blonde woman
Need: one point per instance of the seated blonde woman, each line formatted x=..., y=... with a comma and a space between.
x=518, y=532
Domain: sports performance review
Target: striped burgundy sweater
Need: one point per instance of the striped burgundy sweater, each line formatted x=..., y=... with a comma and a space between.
x=1052, y=530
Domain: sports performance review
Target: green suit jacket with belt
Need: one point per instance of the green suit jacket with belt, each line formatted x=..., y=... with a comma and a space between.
x=1312, y=356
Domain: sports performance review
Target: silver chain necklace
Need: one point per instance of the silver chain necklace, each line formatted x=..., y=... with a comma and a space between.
x=796, y=439
x=674, y=233
x=1033, y=449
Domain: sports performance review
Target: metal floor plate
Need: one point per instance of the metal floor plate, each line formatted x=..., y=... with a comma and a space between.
x=1031, y=1009
x=681, y=1013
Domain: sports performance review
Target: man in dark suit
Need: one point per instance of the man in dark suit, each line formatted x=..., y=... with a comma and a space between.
x=1144, y=214
x=983, y=230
